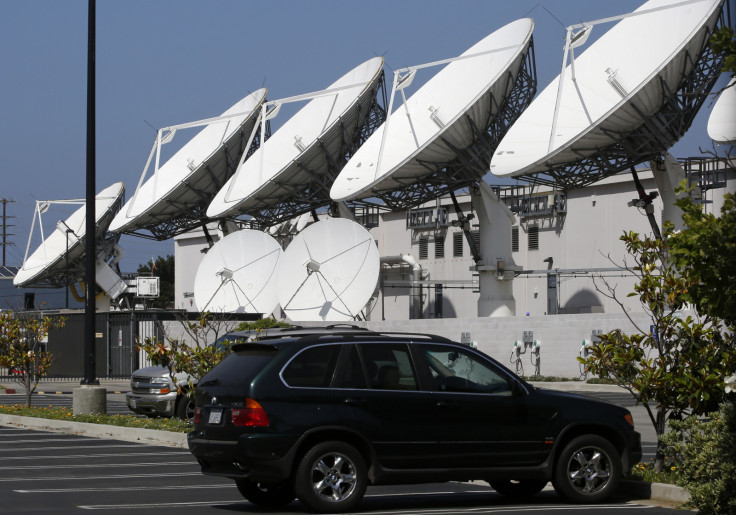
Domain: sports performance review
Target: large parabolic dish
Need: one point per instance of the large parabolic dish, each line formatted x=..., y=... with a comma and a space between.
x=238, y=274
x=61, y=253
x=292, y=172
x=627, y=98
x=722, y=120
x=329, y=272
x=443, y=135
x=174, y=199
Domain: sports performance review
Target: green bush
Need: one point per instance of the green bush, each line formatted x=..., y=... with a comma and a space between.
x=704, y=454
x=262, y=323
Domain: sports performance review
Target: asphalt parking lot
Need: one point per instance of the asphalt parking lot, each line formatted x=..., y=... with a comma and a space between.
x=54, y=473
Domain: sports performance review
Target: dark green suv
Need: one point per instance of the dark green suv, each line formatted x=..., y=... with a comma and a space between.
x=321, y=414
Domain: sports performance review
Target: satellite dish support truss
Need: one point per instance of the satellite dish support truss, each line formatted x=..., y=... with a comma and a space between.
x=656, y=133
x=470, y=164
x=316, y=194
x=192, y=216
x=41, y=207
x=105, y=245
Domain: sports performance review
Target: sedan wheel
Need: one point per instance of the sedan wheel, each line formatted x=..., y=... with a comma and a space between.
x=588, y=470
x=331, y=477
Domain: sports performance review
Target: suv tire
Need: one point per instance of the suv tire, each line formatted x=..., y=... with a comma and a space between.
x=588, y=470
x=518, y=489
x=269, y=495
x=331, y=477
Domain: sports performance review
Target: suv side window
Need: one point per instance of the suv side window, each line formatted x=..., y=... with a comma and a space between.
x=457, y=370
x=352, y=375
x=313, y=367
x=389, y=366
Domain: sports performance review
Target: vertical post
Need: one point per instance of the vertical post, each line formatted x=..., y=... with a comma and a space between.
x=67, y=267
x=90, y=398
x=90, y=247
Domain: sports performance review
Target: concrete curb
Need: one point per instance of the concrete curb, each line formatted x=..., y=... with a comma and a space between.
x=657, y=491
x=128, y=434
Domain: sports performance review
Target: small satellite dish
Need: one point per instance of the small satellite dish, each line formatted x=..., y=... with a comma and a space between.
x=722, y=120
x=238, y=274
x=329, y=272
x=303, y=148
x=181, y=188
x=47, y=265
x=605, y=94
x=440, y=120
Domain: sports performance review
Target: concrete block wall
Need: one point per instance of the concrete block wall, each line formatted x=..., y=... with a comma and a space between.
x=560, y=336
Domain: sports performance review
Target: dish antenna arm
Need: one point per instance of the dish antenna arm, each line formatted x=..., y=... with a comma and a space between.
x=645, y=201
x=463, y=221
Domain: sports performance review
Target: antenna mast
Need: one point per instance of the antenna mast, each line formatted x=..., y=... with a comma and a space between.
x=5, y=225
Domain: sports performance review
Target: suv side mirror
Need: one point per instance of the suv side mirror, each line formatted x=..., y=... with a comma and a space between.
x=516, y=389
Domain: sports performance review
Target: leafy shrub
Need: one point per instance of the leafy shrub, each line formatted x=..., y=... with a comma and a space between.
x=704, y=452
x=261, y=324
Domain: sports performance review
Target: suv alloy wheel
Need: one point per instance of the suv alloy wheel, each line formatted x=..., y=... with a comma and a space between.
x=587, y=469
x=331, y=477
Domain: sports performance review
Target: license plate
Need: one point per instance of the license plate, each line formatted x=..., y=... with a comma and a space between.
x=215, y=416
x=132, y=403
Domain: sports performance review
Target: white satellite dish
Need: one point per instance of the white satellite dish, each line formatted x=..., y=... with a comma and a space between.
x=238, y=274
x=438, y=118
x=49, y=260
x=722, y=120
x=192, y=176
x=302, y=147
x=329, y=272
x=610, y=89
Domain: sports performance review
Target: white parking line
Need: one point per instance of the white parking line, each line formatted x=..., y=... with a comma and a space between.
x=166, y=505
x=506, y=508
x=123, y=489
x=41, y=438
x=421, y=511
x=68, y=447
x=87, y=456
x=106, y=465
x=96, y=477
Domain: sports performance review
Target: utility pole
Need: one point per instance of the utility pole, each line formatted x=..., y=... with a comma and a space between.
x=5, y=225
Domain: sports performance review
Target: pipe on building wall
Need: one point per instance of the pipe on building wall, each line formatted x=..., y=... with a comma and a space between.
x=415, y=309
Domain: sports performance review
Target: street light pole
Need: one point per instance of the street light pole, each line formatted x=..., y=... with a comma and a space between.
x=89, y=398
x=90, y=243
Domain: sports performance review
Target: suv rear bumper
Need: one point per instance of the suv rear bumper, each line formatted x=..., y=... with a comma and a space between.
x=254, y=456
x=158, y=405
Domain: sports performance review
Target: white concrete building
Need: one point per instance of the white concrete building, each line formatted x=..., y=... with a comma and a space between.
x=562, y=245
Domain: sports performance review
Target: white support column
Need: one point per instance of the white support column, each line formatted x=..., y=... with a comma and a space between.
x=668, y=176
x=496, y=268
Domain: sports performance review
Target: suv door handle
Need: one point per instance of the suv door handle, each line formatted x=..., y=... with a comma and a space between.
x=446, y=404
x=352, y=401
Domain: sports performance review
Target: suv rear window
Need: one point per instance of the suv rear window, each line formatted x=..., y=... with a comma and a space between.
x=239, y=368
x=312, y=367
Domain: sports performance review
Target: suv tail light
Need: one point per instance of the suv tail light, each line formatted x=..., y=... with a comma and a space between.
x=197, y=415
x=252, y=415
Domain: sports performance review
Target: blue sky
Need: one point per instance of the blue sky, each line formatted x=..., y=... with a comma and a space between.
x=163, y=62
